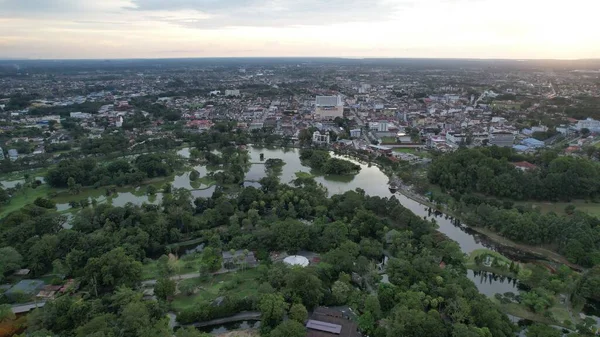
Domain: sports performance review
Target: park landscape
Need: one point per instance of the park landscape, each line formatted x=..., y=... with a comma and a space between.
x=219, y=263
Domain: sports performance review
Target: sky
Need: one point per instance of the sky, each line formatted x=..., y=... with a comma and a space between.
x=103, y=29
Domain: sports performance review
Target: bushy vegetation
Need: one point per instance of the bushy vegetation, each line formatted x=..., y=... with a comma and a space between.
x=489, y=171
x=89, y=172
x=574, y=236
x=321, y=161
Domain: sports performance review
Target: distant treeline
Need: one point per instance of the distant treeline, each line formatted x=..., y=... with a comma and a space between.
x=489, y=171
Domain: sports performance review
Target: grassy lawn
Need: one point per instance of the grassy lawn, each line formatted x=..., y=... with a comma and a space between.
x=405, y=150
x=302, y=174
x=205, y=181
x=18, y=175
x=502, y=260
x=23, y=198
x=413, y=151
x=559, y=207
x=559, y=312
x=185, y=265
x=388, y=140
x=235, y=284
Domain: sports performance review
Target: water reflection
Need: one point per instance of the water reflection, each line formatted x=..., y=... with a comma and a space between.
x=223, y=328
x=490, y=284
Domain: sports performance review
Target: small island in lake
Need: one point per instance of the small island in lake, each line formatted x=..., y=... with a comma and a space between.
x=321, y=160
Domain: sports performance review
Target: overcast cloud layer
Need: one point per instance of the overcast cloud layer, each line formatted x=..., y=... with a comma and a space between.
x=350, y=28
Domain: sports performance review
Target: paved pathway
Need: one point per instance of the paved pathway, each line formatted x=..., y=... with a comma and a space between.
x=187, y=276
x=242, y=316
x=26, y=307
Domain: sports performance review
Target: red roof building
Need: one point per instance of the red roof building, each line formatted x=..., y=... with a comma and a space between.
x=524, y=166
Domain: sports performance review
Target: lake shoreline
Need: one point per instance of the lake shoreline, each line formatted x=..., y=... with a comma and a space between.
x=542, y=253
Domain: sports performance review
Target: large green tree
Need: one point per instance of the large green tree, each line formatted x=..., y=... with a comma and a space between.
x=113, y=269
x=272, y=308
x=289, y=328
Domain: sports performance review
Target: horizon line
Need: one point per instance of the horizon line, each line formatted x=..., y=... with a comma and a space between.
x=298, y=57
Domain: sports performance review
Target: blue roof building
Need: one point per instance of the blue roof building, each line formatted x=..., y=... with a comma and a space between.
x=532, y=142
x=13, y=154
x=520, y=148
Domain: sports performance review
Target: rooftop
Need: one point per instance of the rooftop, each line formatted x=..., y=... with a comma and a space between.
x=325, y=322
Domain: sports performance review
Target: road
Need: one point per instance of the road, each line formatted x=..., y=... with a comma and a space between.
x=187, y=276
x=242, y=316
x=174, y=278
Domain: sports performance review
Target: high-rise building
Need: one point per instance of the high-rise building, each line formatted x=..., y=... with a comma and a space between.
x=329, y=107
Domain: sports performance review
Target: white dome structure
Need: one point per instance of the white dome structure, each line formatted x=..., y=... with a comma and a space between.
x=296, y=260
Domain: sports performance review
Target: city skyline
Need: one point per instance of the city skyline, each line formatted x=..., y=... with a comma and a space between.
x=84, y=29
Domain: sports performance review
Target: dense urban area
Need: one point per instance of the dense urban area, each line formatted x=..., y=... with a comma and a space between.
x=299, y=197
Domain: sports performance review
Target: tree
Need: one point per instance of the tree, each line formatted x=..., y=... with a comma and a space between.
x=151, y=190
x=585, y=132
x=42, y=253
x=190, y=332
x=542, y=330
x=102, y=325
x=298, y=313
x=164, y=288
x=289, y=328
x=570, y=209
x=292, y=235
x=340, y=292
x=187, y=287
x=194, y=175
x=305, y=285
x=372, y=305
x=415, y=323
x=164, y=266
x=366, y=323
x=10, y=260
x=272, y=308
x=111, y=270
x=72, y=185
x=135, y=318
x=212, y=259
x=45, y=203
x=6, y=313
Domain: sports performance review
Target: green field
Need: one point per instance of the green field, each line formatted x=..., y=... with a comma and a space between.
x=18, y=175
x=411, y=150
x=502, y=261
x=185, y=265
x=559, y=207
x=235, y=284
x=560, y=313
x=388, y=140
x=24, y=197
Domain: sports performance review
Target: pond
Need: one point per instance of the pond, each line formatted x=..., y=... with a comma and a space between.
x=138, y=195
x=222, y=328
x=13, y=183
x=490, y=284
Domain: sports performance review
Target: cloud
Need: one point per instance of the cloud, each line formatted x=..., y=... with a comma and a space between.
x=269, y=13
